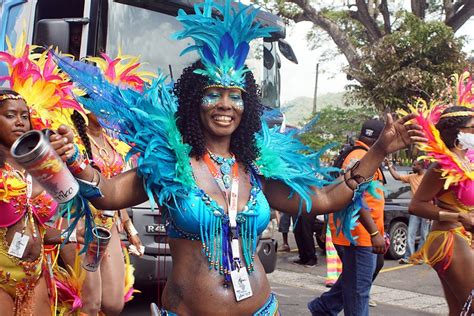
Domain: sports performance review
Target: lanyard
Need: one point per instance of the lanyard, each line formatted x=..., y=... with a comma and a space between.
x=232, y=206
x=29, y=211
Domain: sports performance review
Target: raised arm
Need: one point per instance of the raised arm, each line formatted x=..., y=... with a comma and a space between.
x=392, y=170
x=396, y=135
x=121, y=191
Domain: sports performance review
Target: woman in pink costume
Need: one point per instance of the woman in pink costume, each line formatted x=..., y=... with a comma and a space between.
x=450, y=182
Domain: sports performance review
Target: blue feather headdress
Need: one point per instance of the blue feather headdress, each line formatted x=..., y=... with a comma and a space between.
x=222, y=42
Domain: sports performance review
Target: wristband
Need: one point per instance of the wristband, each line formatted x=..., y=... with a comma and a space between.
x=444, y=216
x=374, y=233
x=77, y=163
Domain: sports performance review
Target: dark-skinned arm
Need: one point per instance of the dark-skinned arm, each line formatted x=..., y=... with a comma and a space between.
x=421, y=204
x=396, y=135
x=378, y=242
x=52, y=236
x=121, y=191
x=392, y=170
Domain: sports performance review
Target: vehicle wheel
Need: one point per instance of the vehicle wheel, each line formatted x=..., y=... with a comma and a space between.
x=398, y=240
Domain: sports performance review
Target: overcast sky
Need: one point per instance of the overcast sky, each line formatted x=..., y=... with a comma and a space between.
x=298, y=80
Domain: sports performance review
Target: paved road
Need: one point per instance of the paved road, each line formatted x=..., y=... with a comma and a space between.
x=398, y=290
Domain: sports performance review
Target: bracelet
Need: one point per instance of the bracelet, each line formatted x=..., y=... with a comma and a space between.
x=359, y=179
x=74, y=157
x=77, y=163
x=375, y=233
x=130, y=229
x=444, y=216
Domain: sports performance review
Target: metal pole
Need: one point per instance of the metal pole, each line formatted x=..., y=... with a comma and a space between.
x=315, y=99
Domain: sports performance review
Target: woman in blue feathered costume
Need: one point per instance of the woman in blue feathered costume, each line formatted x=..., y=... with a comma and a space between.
x=214, y=168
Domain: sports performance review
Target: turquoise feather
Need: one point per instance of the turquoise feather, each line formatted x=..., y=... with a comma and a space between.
x=345, y=220
x=281, y=158
x=222, y=43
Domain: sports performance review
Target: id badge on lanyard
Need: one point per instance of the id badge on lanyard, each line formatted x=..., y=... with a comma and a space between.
x=239, y=275
x=20, y=240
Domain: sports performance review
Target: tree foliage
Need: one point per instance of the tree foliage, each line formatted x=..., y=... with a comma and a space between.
x=337, y=125
x=393, y=55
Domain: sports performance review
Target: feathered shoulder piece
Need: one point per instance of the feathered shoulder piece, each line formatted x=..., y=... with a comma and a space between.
x=46, y=91
x=144, y=120
x=123, y=70
x=282, y=158
x=452, y=168
x=222, y=34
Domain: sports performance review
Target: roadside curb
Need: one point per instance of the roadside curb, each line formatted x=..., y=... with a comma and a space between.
x=406, y=299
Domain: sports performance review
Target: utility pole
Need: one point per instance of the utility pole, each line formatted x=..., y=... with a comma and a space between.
x=315, y=99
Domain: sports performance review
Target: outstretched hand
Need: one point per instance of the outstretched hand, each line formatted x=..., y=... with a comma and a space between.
x=62, y=142
x=399, y=134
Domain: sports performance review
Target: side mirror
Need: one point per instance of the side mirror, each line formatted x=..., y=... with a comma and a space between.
x=268, y=59
x=287, y=51
x=52, y=32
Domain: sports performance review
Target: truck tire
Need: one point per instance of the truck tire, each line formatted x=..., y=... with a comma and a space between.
x=398, y=233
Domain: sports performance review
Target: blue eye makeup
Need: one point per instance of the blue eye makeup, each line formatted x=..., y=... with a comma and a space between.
x=211, y=100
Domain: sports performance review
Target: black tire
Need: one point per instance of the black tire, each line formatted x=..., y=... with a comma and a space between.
x=398, y=233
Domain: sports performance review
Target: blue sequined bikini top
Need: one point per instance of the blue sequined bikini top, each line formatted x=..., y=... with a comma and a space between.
x=197, y=214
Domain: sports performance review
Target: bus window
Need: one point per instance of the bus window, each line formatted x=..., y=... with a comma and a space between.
x=147, y=34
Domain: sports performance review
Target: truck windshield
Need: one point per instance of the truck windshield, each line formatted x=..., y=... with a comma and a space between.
x=148, y=34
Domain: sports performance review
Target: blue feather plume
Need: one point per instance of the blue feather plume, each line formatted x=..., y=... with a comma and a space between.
x=223, y=44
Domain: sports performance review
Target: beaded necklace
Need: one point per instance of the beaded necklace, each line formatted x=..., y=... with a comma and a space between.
x=226, y=165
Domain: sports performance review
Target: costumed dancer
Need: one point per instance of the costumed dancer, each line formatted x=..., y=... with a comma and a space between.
x=449, y=127
x=213, y=166
x=103, y=290
x=37, y=98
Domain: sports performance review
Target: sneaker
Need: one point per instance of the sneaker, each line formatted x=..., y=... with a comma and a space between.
x=311, y=263
x=404, y=261
x=299, y=261
x=418, y=261
x=285, y=248
x=372, y=303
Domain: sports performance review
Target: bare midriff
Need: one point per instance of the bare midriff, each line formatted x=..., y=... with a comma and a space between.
x=33, y=249
x=193, y=289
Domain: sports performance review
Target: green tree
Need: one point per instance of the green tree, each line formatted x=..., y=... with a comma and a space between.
x=337, y=125
x=393, y=55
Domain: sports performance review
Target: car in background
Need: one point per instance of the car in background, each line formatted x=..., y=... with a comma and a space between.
x=396, y=217
x=155, y=265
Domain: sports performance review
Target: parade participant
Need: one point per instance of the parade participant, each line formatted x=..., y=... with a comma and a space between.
x=25, y=207
x=450, y=180
x=38, y=98
x=207, y=156
x=103, y=290
x=416, y=225
x=360, y=249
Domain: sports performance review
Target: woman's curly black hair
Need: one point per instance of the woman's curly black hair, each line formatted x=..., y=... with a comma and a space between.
x=190, y=90
x=449, y=127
